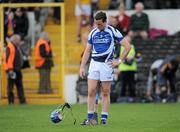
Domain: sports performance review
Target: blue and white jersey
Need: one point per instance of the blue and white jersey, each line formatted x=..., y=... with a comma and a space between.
x=103, y=43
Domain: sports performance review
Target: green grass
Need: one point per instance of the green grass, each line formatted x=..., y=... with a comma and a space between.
x=122, y=118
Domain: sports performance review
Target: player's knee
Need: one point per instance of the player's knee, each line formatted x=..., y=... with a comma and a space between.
x=92, y=93
x=105, y=93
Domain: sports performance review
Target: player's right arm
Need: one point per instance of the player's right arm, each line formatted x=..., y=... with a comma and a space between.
x=85, y=58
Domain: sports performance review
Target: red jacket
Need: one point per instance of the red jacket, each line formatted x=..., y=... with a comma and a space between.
x=124, y=23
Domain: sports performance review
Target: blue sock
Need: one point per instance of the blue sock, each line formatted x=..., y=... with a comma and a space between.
x=90, y=115
x=104, y=116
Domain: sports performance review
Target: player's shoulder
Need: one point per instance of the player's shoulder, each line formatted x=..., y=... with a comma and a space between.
x=112, y=29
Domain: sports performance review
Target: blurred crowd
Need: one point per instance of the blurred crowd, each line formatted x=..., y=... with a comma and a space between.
x=161, y=81
x=24, y=31
x=84, y=10
x=148, y=4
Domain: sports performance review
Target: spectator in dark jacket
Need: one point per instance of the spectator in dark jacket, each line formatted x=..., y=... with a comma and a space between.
x=13, y=64
x=139, y=22
x=22, y=24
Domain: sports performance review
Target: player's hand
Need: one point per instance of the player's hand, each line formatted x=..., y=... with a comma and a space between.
x=116, y=62
x=82, y=73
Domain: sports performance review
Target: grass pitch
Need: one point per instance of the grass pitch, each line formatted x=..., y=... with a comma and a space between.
x=122, y=118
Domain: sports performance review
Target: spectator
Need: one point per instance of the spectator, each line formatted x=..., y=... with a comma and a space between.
x=10, y=25
x=127, y=72
x=94, y=8
x=114, y=4
x=150, y=4
x=113, y=21
x=123, y=20
x=44, y=62
x=83, y=14
x=166, y=72
x=57, y=13
x=139, y=22
x=128, y=4
x=22, y=23
x=152, y=88
x=13, y=64
x=89, y=27
x=21, y=1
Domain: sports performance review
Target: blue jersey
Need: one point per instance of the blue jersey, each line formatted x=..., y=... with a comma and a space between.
x=103, y=43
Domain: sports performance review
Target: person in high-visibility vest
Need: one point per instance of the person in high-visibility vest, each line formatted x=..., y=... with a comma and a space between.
x=44, y=62
x=13, y=60
x=127, y=72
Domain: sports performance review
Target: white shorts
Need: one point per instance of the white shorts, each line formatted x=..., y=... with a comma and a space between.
x=86, y=9
x=100, y=71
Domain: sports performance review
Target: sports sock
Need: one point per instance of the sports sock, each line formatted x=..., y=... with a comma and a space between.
x=90, y=115
x=104, y=115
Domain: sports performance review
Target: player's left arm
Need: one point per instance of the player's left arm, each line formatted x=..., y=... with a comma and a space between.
x=127, y=48
x=126, y=45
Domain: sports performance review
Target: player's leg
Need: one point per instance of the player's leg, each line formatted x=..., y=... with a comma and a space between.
x=106, y=77
x=106, y=85
x=97, y=101
x=93, y=78
x=92, y=85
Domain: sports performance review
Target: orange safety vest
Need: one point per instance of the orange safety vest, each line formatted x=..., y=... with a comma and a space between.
x=4, y=61
x=10, y=62
x=39, y=60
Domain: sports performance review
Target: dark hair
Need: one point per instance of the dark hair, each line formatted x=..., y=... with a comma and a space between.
x=100, y=16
